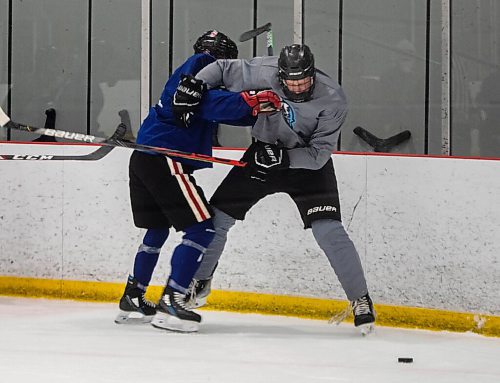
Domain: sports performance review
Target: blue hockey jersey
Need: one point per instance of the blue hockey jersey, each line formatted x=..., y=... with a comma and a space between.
x=159, y=128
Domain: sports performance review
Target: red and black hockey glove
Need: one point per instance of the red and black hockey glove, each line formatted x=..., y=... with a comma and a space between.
x=187, y=98
x=266, y=159
x=264, y=101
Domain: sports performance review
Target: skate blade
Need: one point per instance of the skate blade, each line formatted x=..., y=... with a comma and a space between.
x=132, y=317
x=366, y=329
x=169, y=322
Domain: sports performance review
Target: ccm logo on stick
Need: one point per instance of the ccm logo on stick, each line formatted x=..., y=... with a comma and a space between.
x=31, y=157
x=318, y=209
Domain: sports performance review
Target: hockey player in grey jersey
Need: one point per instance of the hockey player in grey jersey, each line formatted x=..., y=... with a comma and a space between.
x=291, y=154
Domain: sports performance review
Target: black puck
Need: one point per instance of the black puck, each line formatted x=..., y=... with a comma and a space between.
x=405, y=360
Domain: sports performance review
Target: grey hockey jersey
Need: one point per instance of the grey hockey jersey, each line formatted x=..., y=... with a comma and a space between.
x=309, y=130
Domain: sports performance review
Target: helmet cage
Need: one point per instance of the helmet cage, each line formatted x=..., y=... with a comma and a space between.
x=296, y=62
x=217, y=44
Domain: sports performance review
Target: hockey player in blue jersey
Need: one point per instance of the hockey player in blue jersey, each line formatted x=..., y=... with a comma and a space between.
x=163, y=191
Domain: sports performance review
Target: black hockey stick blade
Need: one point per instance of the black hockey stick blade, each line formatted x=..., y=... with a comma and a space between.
x=248, y=35
x=381, y=144
x=390, y=142
x=366, y=136
x=7, y=123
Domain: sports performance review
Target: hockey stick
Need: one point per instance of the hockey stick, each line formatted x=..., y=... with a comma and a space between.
x=7, y=123
x=96, y=155
x=92, y=156
x=382, y=144
x=248, y=35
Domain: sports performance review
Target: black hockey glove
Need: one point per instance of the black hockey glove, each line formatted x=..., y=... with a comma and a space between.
x=267, y=158
x=187, y=97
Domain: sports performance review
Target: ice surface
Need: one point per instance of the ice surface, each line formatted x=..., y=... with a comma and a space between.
x=66, y=341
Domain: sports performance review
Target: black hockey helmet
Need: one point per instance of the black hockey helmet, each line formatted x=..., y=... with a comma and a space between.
x=217, y=44
x=296, y=72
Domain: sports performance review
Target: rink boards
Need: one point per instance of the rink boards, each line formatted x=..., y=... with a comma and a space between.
x=427, y=230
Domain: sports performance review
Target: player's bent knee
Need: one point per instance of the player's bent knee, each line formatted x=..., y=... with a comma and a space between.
x=199, y=235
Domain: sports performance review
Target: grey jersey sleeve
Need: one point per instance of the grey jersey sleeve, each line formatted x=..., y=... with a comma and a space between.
x=239, y=75
x=322, y=142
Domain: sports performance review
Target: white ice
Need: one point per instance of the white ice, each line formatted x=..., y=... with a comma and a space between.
x=66, y=341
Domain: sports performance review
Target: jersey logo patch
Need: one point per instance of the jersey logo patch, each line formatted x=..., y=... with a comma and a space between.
x=288, y=114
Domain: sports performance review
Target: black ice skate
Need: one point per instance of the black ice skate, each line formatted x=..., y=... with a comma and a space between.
x=197, y=293
x=172, y=313
x=364, y=314
x=134, y=308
